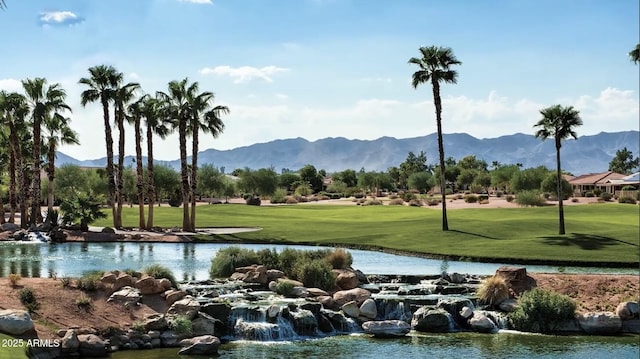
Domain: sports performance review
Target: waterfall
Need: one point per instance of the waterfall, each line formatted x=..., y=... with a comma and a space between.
x=253, y=323
x=389, y=309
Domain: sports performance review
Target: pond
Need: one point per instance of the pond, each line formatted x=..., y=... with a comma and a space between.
x=191, y=261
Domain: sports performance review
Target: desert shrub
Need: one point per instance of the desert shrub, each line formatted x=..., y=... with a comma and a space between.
x=339, y=259
x=181, y=325
x=358, y=195
x=541, y=311
x=83, y=301
x=280, y=196
x=253, y=201
x=138, y=327
x=529, y=199
x=315, y=274
x=606, y=196
x=335, y=195
x=493, y=291
x=597, y=192
x=268, y=258
x=66, y=282
x=28, y=299
x=14, y=278
x=483, y=197
x=396, y=202
x=159, y=271
x=483, y=201
x=574, y=200
x=291, y=200
x=228, y=259
x=286, y=261
x=499, y=194
x=90, y=280
x=322, y=197
x=372, y=202
x=628, y=188
x=285, y=287
x=627, y=199
x=408, y=196
x=589, y=194
x=471, y=198
x=459, y=196
x=415, y=203
x=476, y=189
x=433, y=202
x=509, y=198
x=448, y=191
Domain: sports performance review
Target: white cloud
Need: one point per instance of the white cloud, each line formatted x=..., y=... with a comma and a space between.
x=10, y=85
x=245, y=73
x=197, y=1
x=60, y=18
x=282, y=96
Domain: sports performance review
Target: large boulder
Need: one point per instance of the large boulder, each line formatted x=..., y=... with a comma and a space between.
x=368, y=309
x=70, y=342
x=516, y=278
x=204, y=324
x=108, y=278
x=15, y=321
x=187, y=306
x=257, y=275
x=92, y=346
x=274, y=274
x=481, y=323
x=174, y=295
x=351, y=309
x=304, y=322
x=202, y=345
x=426, y=319
x=9, y=227
x=316, y=292
x=126, y=296
x=454, y=307
x=218, y=311
x=508, y=305
x=627, y=310
x=358, y=295
x=600, y=323
x=148, y=285
x=123, y=280
x=346, y=279
x=155, y=321
x=386, y=328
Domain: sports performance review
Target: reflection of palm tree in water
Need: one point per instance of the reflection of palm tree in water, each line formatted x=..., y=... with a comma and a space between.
x=188, y=257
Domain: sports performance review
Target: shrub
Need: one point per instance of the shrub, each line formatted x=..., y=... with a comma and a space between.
x=499, y=194
x=396, y=202
x=509, y=198
x=493, y=291
x=159, y=271
x=605, y=196
x=393, y=196
x=84, y=208
x=138, y=327
x=280, y=196
x=228, y=259
x=408, y=196
x=285, y=287
x=541, y=311
x=268, y=258
x=66, y=282
x=589, y=194
x=83, y=301
x=339, y=259
x=14, y=278
x=28, y=299
x=628, y=188
x=286, y=261
x=529, y=199
x=448, y=191
x=315, y=274
x=415, y=203
x=181, y=325
x=627, y=199
x=372, y=202
x=433, y=202
x=574, y=200
x=253, y=201
x=471, y=198
x=359, y=195
x=291, y=200
x=90, y=280
x=484, y=201
x=459, y=196
x=597, y=192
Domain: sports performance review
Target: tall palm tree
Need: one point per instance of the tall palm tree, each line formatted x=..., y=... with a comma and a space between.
x=205, y=119
x=435, y=66
x=43, y=101
x=136, y=112
x=558, y=122
x=152, y=112
x=123, y=95
x=57, y=132
x=176, y=105
x=635, y=54
x=102, y=82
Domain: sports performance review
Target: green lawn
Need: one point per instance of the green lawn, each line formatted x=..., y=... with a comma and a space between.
x=9, y=349
x=596, y=233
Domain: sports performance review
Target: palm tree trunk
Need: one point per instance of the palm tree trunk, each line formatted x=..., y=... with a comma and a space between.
x=119, y=193
x=438, y=105
x=140, y=184
x=109, y=142
x=51, y=157
x=194, y=173
x=560, y=194
x=150, y=183
x=184, y=174
x=12, y=175
x=23, y=196
x=36, y=213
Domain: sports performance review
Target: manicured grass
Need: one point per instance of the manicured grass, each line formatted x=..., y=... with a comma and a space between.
x=9, y=349
x=599, y=233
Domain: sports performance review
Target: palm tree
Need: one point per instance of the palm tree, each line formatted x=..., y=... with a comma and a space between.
x=558, y=122
x=136, y=111
x=435, y=66
x=155, y=125
x=635, y=54
x=101, y=83
x=42, y=100
x=57, y=132
x=122, y=96
x=205, y=119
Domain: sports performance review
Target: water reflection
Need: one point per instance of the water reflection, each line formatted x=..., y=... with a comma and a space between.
x=24, y=260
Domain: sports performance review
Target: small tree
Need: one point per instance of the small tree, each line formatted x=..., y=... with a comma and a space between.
x=623, y=162
x=82, y=207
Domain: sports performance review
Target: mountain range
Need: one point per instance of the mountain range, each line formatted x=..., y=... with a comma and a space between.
x=587, y=154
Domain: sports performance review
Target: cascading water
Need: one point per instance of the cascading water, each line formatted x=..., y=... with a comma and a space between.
x=254, y=323
x=393, y=309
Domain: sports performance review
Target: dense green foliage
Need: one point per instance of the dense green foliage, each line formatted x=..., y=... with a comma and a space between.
x=90, y=280
x=228, y=259
x=159, y=271
x=316, y=273
x=530, y=199
x=542, y=311
x=83, y=208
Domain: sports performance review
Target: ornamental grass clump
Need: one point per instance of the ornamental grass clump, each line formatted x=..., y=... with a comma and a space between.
x=315, y=274
x=542, y=311
x=14, y=278
x=159, y=271
x=339, y=259
x=493, y=291
x=90, y=280
x=228, y=259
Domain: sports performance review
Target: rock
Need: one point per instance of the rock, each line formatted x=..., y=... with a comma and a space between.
x=317, y=292
x=351, y=309
x=272, y=286
x=186, y=306
x=273, y=274
x=466, y=312
x=238, y=276
x=173, y=295
x=70, y=342
x=324, y=324
x=204, y=324
x=368, y=309
x=454, y=306
x=516, y=278
x=126, y=296
x=362, y=278
x=108, y=278
x=631, y=326
x=148, y=285
x=202, y=345
x=338, y=320
x=600, y=323
x=20, y=235
x=567, y=326
x=169, y=338
x=327, y=302
x=164, y=283
x=9, y=227
x=91, y=345
x=312, y=307
x=108, y=230
x=299, y=292
x=426, y=319
x=358, y=295
x=481, y=323
x=218, y=311
x=15, y=321
x=304, y=322
x=155, y=321
x=346, y=279
x=123, y=280
x=273, y=311
x=455, y=278
x=295, y=282
x=508, y=305
x=627, y=310
x=386, y=328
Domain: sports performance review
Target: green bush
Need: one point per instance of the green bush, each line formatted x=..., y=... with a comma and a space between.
x=315, y=274
x=541, y=311
x=509, y=198
x=159, y=271
x=628, y=188
x=339, y=259
x=448, y=191
x=605, y=196
x=589, y=194
x=408, y=196
x=285, y=287
x=28, y=299
x=286, y=261
x=597, y=192
x=627, y=199
x=415, y=203
x=253, y=201
x=499, y=194
x=268, y=258
x=372, y=202
x=280, y=196
x=181, y=325
x=529, y=199
x=471, y=198
x=90, y=280
x=228, y=259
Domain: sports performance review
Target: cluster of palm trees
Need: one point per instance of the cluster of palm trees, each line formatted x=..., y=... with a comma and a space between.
x=182, y=107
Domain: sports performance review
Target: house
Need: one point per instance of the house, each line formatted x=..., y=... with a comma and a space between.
x=592, y=181
x=632, y=180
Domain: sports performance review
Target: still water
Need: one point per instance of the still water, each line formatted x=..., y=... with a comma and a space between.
x=191, y=261
x=452, y=345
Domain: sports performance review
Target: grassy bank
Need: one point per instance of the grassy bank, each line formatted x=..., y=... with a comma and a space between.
x=595, y=233
x=11, y=348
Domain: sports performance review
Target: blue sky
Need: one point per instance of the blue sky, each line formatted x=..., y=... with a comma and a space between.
x=329, y=68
